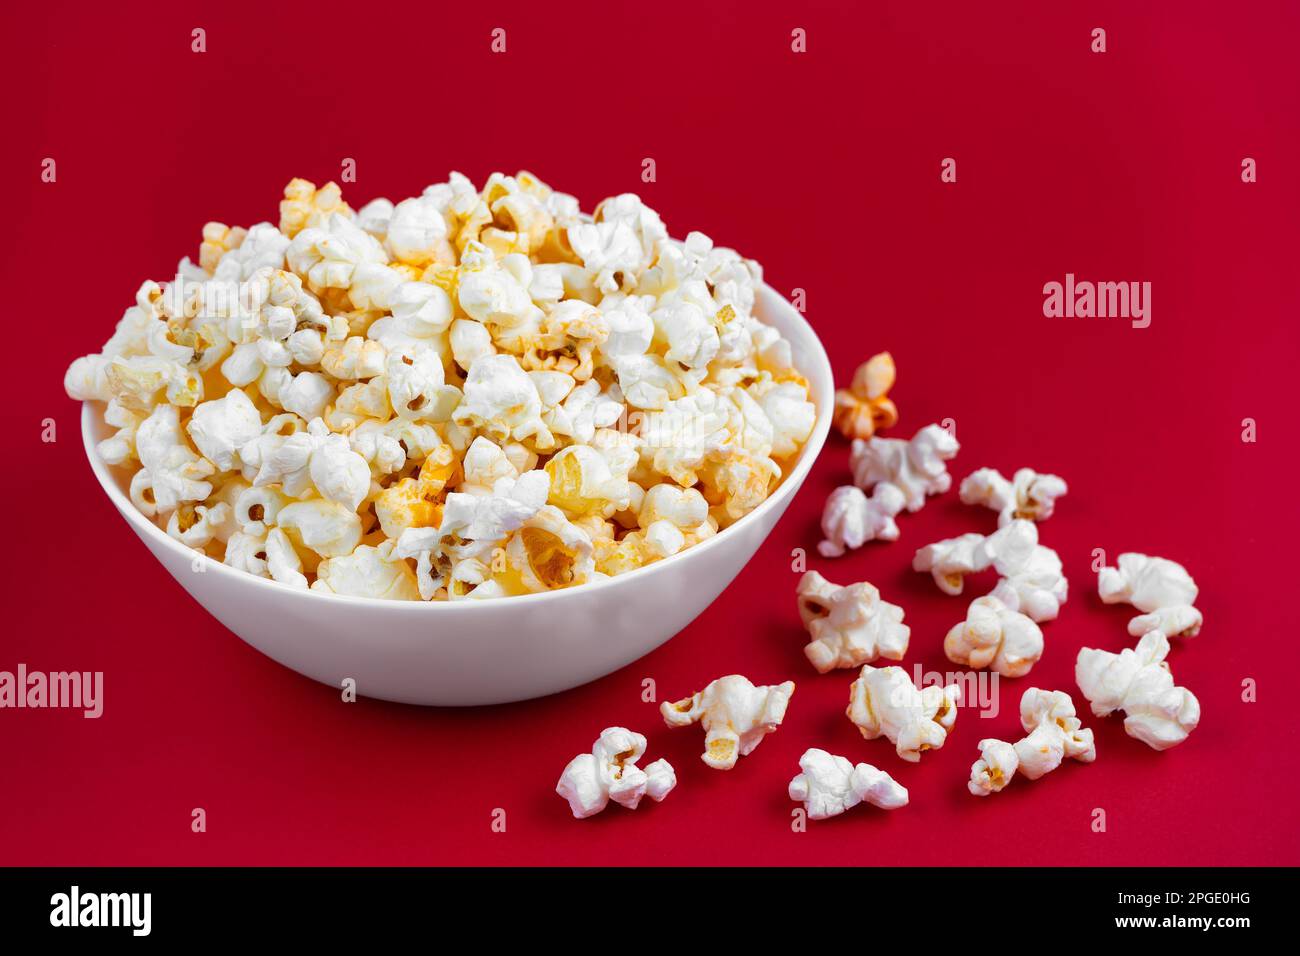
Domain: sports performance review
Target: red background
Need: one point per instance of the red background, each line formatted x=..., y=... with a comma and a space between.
x=824, y=167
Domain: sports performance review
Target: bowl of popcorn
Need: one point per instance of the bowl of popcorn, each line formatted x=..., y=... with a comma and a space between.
x=472, y=447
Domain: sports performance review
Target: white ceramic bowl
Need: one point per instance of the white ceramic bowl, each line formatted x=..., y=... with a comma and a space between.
x=482, y=652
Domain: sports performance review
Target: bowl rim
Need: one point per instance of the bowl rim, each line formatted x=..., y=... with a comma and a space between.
x=789, y=484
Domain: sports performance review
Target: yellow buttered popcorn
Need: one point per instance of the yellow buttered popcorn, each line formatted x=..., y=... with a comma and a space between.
x=468, y=394
x=304, y=205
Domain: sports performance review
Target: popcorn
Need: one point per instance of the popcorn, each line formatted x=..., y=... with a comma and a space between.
x=262, y=248
x=995, y=636
x=356, y=358
x=338, y=473
x=735, y=715
x=1179, y=620
x=850, y=626
x=1054, y=733
x=609, y=772
x=1032, y=578
x=416, y=233
x=550, y=552
x=306, y=395
x=282, y=561
x=917, y=466
x=830, y=785
x=1161, y=587
x=120, y=448
x=1027, y=495
x=567, y=340
x=950, y=560
x=170, y=473
x=247, y=552
x=586, y=480
x=325, y=527
x=502, y=401
x=864, y=407
x=304, y=205
x=1138, y=682
x=222, y=426
x=198, y=526
x=851, y=519
x=218, y=239
x=416, y=387
x=883, y=701
x=468, y=394
x=792, y=416
x=368, y=572
x=257, y=509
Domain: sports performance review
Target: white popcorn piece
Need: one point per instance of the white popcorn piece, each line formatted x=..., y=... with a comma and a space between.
x=1177, y=620
x=258, y=508
x=1147, y=583
x=849, y=626
x=950, y=560
x=247, y=552
x=306, y=459
x=170, y=472
x=1053, y=734
x=850, y=519
x=1158, y=586
x=830, y=785
x=417, y=389
x=916, y=466
x=198, y=526
x=367, y=572
x=1139, y=683
x=502, y=401
x=995, y=636
x=591, y=780
x=337, y=472
x=263, y=248
x=328, y=528
x=306, y=395
x=883, y=702
x=736, y=715
x=1028, y=495
x=282, y=561
x=1032, y=579
x=416, y=232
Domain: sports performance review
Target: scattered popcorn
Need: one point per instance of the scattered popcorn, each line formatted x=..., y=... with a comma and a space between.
x=1179, y=620
x=864, y=407
x=1032, y=577
x=1054, y=733
x=464, y=394
x=883, y=701
x=1158, y=586
x=1027, y=495
x=950, y=560
x=610, y=772
x=830, y=785
x=995, y=636
x=850, y=626
x=1138, y=682
x=916, y=467
x=851, y=519
x=735, y=715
